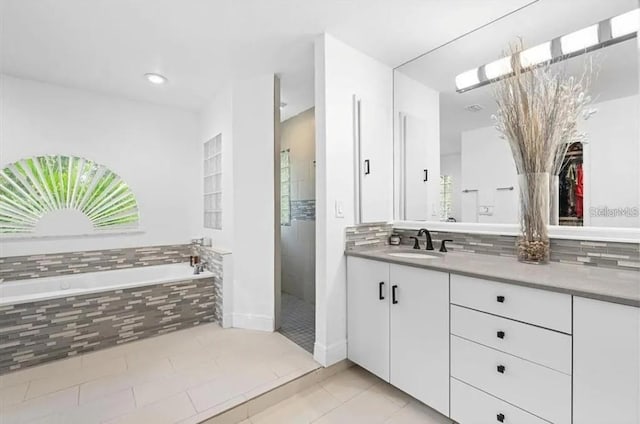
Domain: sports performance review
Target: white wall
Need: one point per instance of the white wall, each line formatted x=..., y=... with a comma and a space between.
x=298, y=239
x=422, y=103
x=153, y=148
x=340, y=72
x=611, y=167
x=254, y=199
x=612, y=161
x=216, y=118
x=487, y=164
x=452, y=165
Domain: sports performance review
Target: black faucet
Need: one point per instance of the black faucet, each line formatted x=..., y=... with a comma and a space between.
x=416, y=243
x=428, y=234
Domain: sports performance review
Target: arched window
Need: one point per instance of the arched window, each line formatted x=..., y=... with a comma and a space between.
x=63, y=195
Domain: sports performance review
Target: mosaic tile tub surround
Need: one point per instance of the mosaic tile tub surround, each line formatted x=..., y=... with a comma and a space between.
x=33, y=333
x=215, y=264
x=52, y=264
x=621, y=256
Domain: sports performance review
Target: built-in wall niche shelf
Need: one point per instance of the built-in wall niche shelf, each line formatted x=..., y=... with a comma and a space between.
x=64, y=196
x=213, y=183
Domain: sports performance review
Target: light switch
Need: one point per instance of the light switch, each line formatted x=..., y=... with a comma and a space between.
x=339, y=209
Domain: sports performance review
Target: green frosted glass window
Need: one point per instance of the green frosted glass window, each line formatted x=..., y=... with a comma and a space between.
x=285, y=188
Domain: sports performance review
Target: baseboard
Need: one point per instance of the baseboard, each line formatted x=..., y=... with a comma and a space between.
x=252, y=322
x=329, y=355
x=227, y=320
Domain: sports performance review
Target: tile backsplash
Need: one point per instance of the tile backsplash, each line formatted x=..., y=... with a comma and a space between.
x=622, y=256
x=368, y=235
x=577, y=252
x=53, y=264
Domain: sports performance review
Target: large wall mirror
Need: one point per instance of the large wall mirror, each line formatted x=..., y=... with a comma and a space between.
x=451, y=164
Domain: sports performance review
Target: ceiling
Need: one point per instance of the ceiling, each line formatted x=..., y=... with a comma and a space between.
x=203, y=45
x=538, y=22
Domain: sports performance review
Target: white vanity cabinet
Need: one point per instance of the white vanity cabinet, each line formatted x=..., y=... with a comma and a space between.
x=398, y=327
x=606, y=362
x=481, y=351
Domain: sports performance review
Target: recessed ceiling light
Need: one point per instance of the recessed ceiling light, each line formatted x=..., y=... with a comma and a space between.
x=155, y=78
x=474, y=108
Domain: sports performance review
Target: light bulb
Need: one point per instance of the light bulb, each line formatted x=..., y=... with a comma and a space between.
x=498, y=68
x=536, y=55
x=579, y=40
x=626, y=23
x=467, y=79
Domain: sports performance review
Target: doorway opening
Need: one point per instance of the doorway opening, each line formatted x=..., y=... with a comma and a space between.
x=298, y=229
x=571, y=187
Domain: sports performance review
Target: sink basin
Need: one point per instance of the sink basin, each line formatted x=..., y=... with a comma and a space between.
x=410, y=255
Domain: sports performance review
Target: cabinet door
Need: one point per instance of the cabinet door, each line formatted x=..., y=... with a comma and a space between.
x=420, y=335
x=606, y=362
x=376, y=162
x=416, y=176
x=368, y=315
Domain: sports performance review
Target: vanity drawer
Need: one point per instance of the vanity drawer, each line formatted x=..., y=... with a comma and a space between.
x=539, y=345
x=472, y=406
x=539, y=307
x=534, y=388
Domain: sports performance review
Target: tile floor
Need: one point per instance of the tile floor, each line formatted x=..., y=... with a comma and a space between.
x=298, y=321
x=353, y=396
x=181, y=377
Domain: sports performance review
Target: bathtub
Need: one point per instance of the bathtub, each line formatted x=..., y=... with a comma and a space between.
x=21, y=291
x=45, y=319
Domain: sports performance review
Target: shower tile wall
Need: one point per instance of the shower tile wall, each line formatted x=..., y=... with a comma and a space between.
x=43, y=331
x=48, y=265
x=298, y=238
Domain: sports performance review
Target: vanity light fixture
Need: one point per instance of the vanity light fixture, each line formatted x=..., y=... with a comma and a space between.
x=605, y=33
x=156, y=79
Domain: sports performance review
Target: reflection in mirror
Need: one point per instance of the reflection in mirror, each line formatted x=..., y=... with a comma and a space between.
x=452, y=164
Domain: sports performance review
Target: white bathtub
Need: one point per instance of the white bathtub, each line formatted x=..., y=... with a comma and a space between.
x=22, y=291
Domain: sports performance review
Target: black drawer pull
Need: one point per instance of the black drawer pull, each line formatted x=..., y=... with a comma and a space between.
x=393, y=294
x=500, y=417
x=500, y=334
x=380, y=295
x=501, y=369
x=367, y=169
x=500, y=299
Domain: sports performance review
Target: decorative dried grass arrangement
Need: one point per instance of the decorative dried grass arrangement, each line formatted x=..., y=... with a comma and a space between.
x=538, y=112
